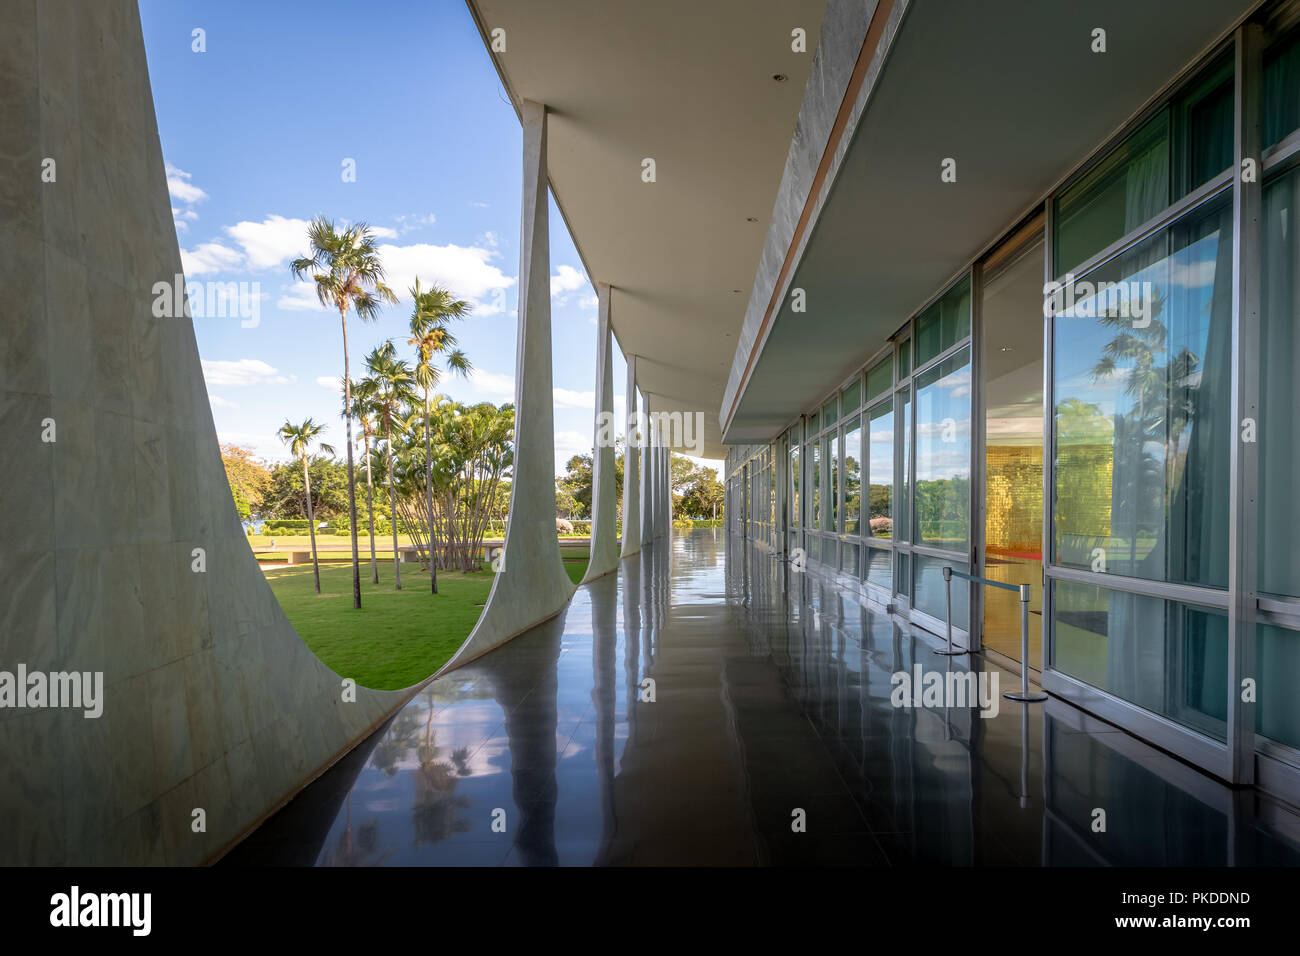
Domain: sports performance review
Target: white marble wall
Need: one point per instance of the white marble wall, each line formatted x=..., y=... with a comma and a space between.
x=211, y=698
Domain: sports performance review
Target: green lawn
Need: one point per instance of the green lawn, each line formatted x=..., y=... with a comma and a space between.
x=398, y=637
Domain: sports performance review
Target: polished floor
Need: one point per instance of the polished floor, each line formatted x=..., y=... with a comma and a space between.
x=771, y=739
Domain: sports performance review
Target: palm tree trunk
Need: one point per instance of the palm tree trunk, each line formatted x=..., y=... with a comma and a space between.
x=311, y=522
x=352, y=483
x=370, y=507
x=392, y=500
x=428, y=491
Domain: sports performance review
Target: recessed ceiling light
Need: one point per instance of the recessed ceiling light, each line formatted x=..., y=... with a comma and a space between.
x=780, y=77
x=735, y=291
x=750, y=219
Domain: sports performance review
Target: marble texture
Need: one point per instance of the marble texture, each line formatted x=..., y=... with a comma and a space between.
x=631, y=541
x=533, y=585
x=604, y=507
x=211, y=698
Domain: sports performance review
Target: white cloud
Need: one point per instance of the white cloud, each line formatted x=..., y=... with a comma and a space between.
x=466, y=270
x=300, y=297
x=179, y=185
x=492, y=383
x=383, y=232
x=219, y=402
x=407, y=223
x=490, y=239
x=568, y=444
x=480, y=205
x=270, y=243
x=333, y=382
x=567, y=279
x=243, y=372
x=567, y=398
x=209, y=257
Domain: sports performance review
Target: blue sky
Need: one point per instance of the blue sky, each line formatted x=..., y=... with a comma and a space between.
x=255, y=131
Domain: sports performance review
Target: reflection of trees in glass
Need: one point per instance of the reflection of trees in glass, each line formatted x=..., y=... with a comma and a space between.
x=1148, y=434
x=852, y=493
x=1085, y=455
x=941, y=509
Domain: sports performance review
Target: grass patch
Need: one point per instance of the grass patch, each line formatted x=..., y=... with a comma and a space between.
x=398, y=638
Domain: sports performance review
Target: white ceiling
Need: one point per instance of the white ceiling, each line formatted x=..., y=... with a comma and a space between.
x=1013, y=92
x=689, y=84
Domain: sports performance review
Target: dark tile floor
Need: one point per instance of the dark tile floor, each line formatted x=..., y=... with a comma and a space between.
x=771, y=696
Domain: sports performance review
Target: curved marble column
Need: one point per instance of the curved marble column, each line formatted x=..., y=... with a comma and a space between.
x=123, y=554
x=604, y=510
x=531, y=585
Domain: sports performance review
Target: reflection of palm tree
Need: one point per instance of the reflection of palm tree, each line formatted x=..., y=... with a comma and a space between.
x=361, y=851
x=434, y=815
x=348, y=275
x=299, y=439
x=1157, y=416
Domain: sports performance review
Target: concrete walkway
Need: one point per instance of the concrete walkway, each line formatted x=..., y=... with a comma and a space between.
x=772, y=696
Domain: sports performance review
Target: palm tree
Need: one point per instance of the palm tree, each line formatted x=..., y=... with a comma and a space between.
x=348, y=275
x=299, y=438
x=392, y=384
x=363, y=410
x=433, y=310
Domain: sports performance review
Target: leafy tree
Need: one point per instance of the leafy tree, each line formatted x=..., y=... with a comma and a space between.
x=299, y=439
x=349, y=276
x=363, y=397
x=701, y=492
x=392, y=384
x=248, y=477
x=433, y=309
x=285, y=494
x=577, y=481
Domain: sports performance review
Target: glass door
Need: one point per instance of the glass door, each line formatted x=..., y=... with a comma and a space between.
x=1011, y=327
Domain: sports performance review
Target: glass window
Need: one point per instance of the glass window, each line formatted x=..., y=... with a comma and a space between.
x=813, y=424
x=830, y=453
x=904, y=577
x=1203, y=136
x=1182, y=147
x=903, y=521
x=1277, y=661
x=815, y=476
x=1282, y=89
x=929, y=591
x=1120, y=193
x=1167, y=657
x=943, y=324
x=1279, y=452
x=879, y=378
x=829, y=413
x=794, y=485
x=851, y=396
x=904, y=358
x=943, y=448
x=879, y=568
x=1143, y=378
x=853, y=477
x=880, y=471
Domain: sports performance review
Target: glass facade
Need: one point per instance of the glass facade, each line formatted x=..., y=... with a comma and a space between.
x=1061, y=415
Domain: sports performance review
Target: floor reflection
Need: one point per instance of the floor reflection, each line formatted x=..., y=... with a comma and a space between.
x=771, y=696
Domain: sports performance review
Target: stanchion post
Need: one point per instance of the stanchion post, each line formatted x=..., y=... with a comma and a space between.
x=1024, y=696
x=947, y=593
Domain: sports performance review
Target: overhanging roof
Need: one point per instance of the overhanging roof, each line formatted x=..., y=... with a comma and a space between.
x=1013, y=92
x=690, y=85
